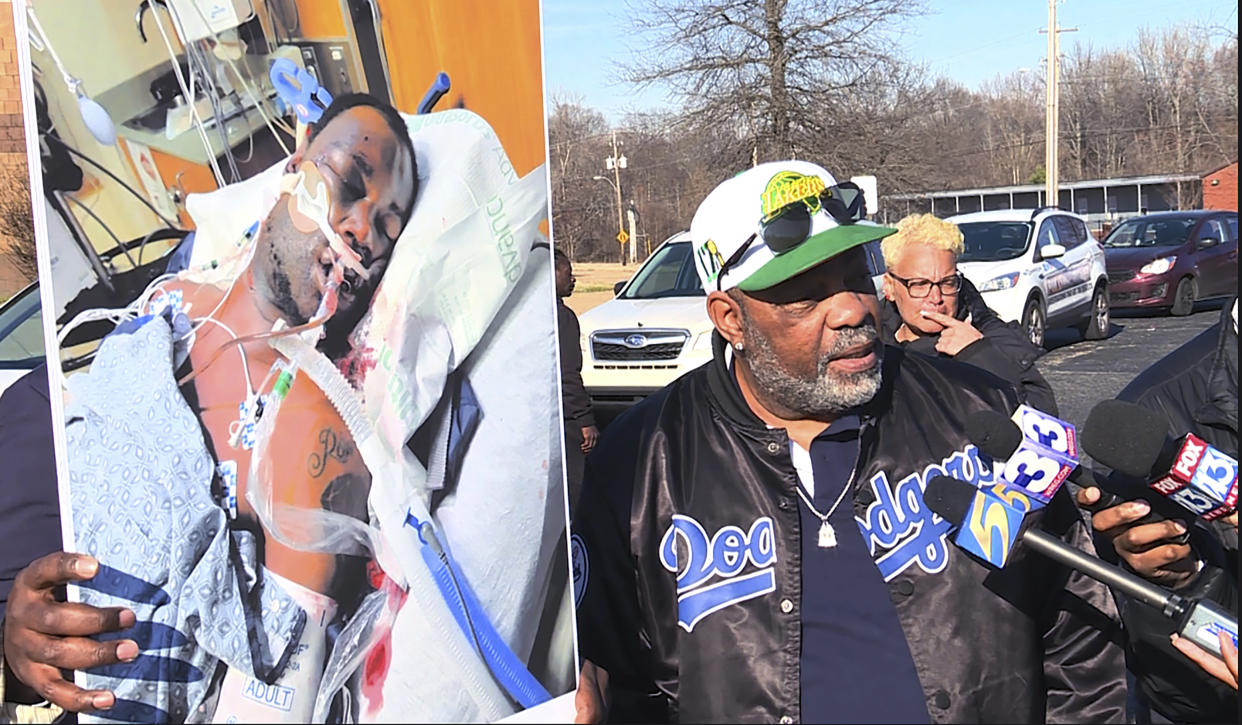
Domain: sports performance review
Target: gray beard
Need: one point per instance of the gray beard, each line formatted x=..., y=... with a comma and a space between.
x=828, y=394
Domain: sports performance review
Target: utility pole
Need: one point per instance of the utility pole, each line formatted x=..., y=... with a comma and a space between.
x=615, y=163
x=1053, y=107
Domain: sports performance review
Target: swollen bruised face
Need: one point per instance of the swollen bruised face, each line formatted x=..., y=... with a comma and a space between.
x=370, y=180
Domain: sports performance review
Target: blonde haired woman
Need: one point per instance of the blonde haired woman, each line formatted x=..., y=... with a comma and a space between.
x=930, y=308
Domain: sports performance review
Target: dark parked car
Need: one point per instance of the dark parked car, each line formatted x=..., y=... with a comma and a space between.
x=1172, y=259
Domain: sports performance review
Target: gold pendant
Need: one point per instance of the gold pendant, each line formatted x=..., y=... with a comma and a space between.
x=827, y=536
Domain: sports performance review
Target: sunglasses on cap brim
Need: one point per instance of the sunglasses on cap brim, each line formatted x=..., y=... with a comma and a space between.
x=790, y=226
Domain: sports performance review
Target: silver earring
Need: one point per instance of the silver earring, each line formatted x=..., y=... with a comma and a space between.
x=738, y=346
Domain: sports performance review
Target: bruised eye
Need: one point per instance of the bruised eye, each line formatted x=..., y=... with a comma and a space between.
x=353, y=192
x=350, y=185
x=353, y=184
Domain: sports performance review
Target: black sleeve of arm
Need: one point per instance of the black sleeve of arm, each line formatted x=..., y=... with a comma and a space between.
x=1170, y=683
x=1084, y=660
x=1001, y=361
x=610, y=625
x=29, y=505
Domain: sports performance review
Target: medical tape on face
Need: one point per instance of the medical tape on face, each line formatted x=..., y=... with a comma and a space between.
x=309, y=204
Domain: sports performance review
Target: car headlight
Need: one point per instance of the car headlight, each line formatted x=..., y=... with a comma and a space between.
x=1158, y=266
x=1005, y=281
x=703, y=341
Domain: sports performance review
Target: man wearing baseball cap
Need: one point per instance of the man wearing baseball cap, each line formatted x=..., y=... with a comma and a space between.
x=751, y=543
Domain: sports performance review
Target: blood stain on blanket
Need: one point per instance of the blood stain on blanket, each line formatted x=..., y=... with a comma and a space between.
x=375, y=669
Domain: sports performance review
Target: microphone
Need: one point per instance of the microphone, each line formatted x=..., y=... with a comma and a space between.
x=989, y=523
x=1039, y=452
x=999, y=438
x=1133, y=440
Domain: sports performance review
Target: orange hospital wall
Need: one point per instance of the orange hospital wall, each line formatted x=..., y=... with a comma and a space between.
x=491, y=52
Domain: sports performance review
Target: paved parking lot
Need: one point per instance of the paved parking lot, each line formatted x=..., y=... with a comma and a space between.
x=1084, y=372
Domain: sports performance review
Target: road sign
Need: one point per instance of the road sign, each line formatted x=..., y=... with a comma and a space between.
x=622, y=237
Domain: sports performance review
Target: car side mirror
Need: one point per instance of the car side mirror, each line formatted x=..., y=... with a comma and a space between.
x=1205, y=242
x=1051, y=251
x=616, y=288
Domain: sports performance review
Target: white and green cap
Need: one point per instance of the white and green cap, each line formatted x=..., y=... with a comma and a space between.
x=737, y=209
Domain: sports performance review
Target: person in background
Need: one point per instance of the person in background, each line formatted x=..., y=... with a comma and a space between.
x=931, y=308
x=581, y=433
x=1195, y=389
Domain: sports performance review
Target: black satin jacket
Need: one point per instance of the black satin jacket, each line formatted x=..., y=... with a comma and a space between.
x=1195, y=389
x=687, y=578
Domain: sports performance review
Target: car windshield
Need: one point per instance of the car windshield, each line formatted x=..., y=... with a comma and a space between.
x=21, y=330
x=1150, y=233
x=993, y=241
x=669, y=273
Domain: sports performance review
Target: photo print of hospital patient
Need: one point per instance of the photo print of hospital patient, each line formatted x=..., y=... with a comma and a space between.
x=303, y=337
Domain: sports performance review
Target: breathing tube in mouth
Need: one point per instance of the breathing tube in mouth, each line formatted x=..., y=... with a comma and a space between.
x=308, y=207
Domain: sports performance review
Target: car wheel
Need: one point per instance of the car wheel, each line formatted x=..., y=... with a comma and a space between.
x=1096, y=327
x=1184, y=297
x=1033, y=322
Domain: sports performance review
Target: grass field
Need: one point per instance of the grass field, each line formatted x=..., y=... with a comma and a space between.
x=595, y=282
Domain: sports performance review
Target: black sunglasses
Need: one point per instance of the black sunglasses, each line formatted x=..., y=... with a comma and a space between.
x=790, y=226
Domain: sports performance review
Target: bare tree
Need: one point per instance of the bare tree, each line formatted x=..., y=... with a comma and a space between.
x=765, y=76
x=1014, y=127
x=580, y=206
x=1166, y=104
x=17, y=241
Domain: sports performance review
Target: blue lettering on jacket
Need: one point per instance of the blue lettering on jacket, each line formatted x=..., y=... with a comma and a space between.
x=900, y=523
x=711, y=576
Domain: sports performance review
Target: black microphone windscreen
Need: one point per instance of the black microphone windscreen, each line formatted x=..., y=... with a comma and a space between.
x=1125, y=437
x=949, y=498
x=994, y=434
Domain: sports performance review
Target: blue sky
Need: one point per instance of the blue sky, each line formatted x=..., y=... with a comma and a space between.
x=970, y=41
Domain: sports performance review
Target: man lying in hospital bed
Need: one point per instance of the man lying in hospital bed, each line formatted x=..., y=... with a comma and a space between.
x=287, y=554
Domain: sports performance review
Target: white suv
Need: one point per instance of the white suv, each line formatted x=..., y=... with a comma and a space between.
x=656, y=328
x=1039, y=266
x=653, y=331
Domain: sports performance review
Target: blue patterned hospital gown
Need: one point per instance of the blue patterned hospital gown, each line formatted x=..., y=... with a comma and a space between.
x=140, y=486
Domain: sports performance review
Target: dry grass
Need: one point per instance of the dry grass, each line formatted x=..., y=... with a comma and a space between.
x=595, y=283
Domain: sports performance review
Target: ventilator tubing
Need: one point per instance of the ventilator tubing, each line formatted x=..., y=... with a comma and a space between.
x=314, y=530
x=437, y=586
x=327, y=532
